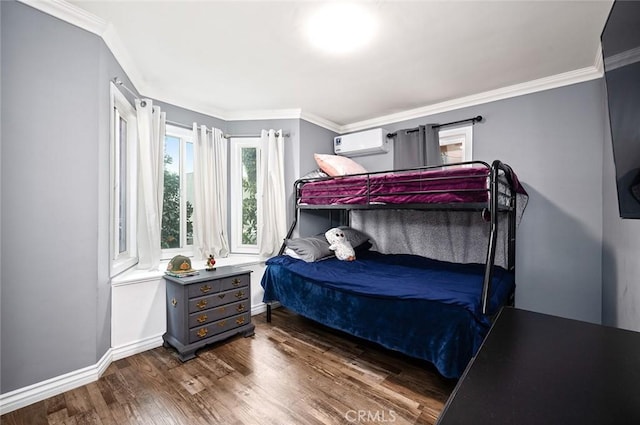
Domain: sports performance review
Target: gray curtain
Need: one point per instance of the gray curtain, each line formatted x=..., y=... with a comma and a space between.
x=416, y=147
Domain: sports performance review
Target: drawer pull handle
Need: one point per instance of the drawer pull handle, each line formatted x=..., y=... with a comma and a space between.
x=202, y=304
x=236, y=282
x=205, y=288
x=240, y=321
x=239, y=294
x=202, y=318
x=202, y=332
x=174, y=302
x=221, y=296
x=222, y=309
x=222, y=323
x=240, y=308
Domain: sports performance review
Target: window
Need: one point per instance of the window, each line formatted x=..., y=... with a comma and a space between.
x=456, y=144
x=123, y=183
x=177, y=206
x=245, y=187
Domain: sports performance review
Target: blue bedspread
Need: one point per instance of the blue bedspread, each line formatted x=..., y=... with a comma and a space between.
x=424, y=308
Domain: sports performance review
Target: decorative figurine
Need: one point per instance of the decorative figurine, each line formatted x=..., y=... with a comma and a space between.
x=211, y=262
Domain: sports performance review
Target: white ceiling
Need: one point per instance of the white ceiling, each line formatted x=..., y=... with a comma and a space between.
x=234, y=59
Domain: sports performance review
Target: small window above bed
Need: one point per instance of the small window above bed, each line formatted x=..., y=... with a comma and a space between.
x=456, y=144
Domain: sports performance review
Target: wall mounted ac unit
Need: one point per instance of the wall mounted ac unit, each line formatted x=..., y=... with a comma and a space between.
x=362, y=143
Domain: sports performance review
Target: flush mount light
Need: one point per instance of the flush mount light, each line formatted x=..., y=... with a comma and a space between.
x=341, y=27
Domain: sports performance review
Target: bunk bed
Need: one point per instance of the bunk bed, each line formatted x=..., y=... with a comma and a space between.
x=430, y=309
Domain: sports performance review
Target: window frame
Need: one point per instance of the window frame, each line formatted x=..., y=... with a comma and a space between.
x=235, y=185
x=462, y=135
x=186, y=136
x=120, y=107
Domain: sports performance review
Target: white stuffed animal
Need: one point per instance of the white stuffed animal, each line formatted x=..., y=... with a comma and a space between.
x=339, y=244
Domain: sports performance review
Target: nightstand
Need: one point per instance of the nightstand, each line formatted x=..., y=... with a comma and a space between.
x=206, y=308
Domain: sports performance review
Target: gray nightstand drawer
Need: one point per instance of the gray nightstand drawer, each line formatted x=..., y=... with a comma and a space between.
x=220, y=326
x=215, y=286
x=220, y=298
x=207, y=316
x=235, y=282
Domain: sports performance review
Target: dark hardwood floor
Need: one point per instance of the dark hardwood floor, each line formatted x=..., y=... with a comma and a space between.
x=293, y=371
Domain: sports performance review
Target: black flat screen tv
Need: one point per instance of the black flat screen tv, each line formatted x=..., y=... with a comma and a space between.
x=621, y=54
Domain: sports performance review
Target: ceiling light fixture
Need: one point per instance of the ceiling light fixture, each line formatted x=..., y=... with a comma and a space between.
x=341, y=27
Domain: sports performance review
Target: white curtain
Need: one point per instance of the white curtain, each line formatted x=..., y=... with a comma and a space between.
x=210, y=191
x=272, y=220
x=151, y=129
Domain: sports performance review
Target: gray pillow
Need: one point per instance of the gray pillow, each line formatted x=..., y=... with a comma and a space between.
x=354, y=236
x=317, y=173
x=310, y=249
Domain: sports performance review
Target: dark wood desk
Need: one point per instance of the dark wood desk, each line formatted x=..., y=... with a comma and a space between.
x=545, y=370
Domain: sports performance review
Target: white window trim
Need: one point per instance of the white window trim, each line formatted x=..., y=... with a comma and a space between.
x=456, y=135
x=235, y=177
x=120, y=106
x=187, y=250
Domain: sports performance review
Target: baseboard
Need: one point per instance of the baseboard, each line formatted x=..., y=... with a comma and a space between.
x=25, y=396
x=136, y=347
x=259, y=308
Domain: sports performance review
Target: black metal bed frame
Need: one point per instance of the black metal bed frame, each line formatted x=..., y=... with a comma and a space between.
x=491, y=209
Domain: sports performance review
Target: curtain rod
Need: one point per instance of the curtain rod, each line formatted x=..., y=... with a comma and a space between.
x=473, y=121
x=185, y=126
x=118, y=82
x=179, y=124
x=228, y=136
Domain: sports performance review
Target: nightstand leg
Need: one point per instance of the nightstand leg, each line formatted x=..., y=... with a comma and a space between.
x=187, y=355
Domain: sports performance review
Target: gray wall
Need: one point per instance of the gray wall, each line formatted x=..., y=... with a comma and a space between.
x=54, y=312
x=187, y=117
x=553, y=140
x=314, y=139
x=576, y=258
x=55, y=193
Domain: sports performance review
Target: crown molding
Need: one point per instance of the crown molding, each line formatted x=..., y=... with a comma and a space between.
x=85, y=20
x=598, y=62
x=118, y=49
x=189, y=104
x=547, y=83
x=69, y=13
x=263, y=114
x=80, y=18
x=319, y=121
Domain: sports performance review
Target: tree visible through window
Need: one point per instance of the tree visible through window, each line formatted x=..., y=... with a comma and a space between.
x=244, y=188
x=177, y=206
x=249, y=202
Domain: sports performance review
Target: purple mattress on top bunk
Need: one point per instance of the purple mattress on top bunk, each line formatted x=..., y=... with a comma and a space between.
x=443, y=185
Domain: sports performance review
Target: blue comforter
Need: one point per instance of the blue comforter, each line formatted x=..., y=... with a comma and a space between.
x=424, y=308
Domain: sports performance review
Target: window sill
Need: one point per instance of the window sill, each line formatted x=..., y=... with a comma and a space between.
x=135, y=275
